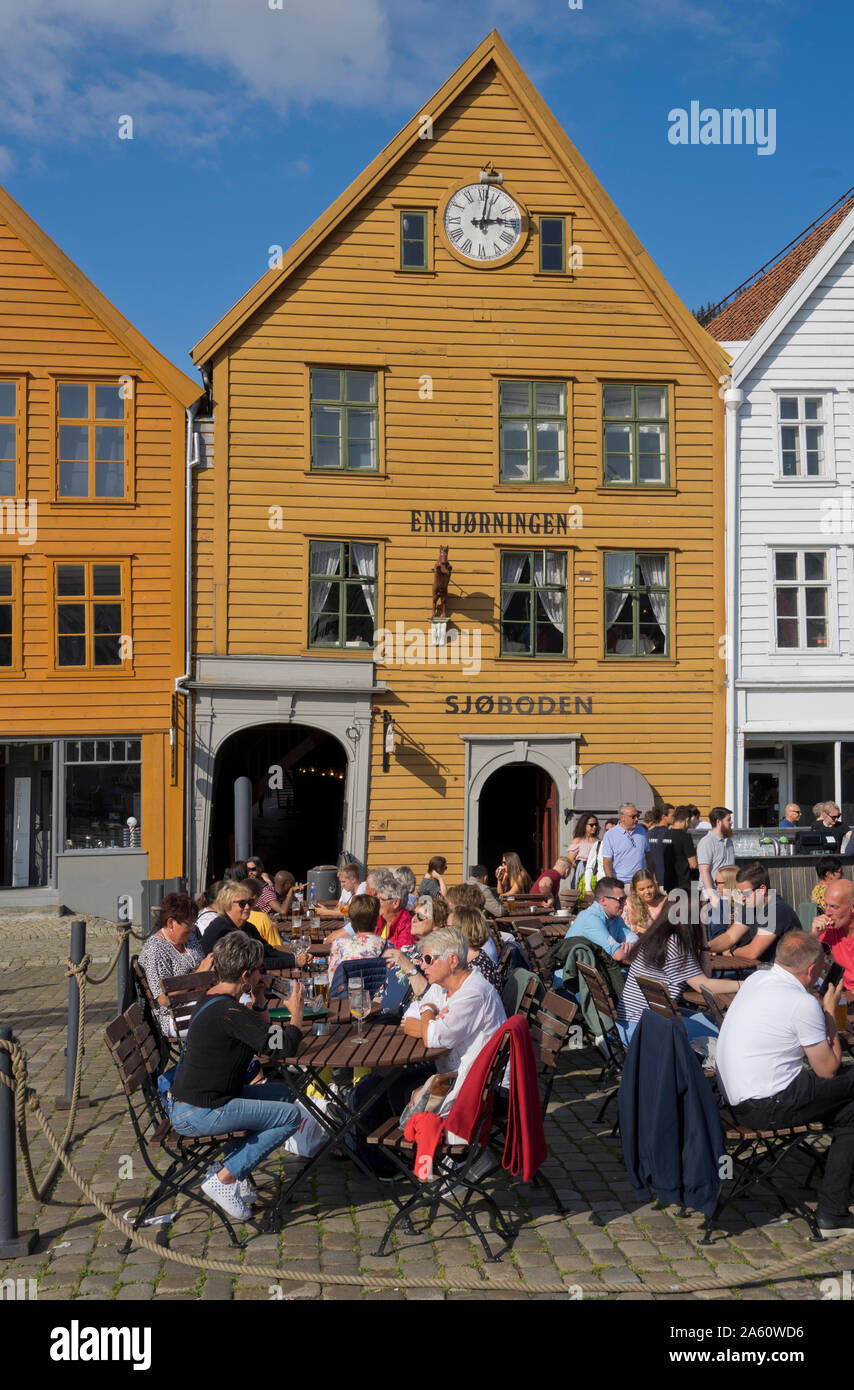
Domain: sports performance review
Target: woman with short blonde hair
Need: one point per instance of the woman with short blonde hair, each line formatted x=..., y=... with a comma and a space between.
x=472, y=924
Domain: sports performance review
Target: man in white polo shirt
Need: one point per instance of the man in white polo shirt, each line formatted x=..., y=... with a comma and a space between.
x=771, y=1025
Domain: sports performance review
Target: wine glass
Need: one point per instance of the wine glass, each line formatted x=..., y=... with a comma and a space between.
x=356, y=997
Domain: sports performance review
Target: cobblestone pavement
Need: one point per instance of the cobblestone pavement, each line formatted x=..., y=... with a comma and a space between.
x=605, y=1238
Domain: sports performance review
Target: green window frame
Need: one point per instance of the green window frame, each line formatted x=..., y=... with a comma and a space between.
x=413, y=239
x=532, y=431
x=552, y=245
x=637, y=604
x=534, y=605
x=344, y=420
x=635, y=434
x=342, y=594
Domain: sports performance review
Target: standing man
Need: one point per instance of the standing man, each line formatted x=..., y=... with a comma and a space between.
x=792, y=818
x=660, y=842
x=682, y=871
x=771, y=1025
x=715, y=850
x=625, y=849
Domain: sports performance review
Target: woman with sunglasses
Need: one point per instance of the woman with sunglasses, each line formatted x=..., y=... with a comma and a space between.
x=233, y=905
x=585, y=838
x=430, y=914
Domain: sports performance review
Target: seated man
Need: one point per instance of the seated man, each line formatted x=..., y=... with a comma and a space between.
x=550, y=880
x=478, y=874
x=771, y=1025
x=764, y=917
x=350, y=881
x=602, y=921
x=835, y=928
x=209, y=1092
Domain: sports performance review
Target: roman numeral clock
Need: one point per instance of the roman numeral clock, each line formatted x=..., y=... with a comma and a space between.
x=482, y=224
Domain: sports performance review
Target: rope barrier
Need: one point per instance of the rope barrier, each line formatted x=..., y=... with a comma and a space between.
x=27, y=1099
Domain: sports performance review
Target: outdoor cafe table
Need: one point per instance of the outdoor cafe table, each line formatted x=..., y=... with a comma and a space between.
x=386, y=1049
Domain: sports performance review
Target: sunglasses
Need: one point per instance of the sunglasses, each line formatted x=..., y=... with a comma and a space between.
x=242, y=902
x=428, y=960
x=422, y=917
x=612, y=899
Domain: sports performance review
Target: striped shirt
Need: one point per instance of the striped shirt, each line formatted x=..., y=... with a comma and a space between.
x=679, y=965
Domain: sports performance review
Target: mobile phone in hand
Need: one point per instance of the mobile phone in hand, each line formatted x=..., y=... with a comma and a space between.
x=831, y=979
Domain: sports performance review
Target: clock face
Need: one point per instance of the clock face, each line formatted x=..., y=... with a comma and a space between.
x=483, y=225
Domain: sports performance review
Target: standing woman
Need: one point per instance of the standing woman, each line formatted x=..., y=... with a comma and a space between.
x=585, y=839
x=512, y=877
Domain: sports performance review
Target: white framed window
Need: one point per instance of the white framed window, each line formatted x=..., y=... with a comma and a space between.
x=803, y=431
x=802, y=582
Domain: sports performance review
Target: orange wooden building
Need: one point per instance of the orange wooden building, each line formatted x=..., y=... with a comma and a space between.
x=469, y=349
x=92, y=633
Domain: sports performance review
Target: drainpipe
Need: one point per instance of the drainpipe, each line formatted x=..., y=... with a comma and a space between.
x=733, y=398
x=193, y=460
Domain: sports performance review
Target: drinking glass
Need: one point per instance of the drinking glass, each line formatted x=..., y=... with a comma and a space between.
x=356, y=996
x=296, y=925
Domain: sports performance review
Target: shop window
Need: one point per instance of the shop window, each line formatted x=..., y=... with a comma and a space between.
x=103, y=790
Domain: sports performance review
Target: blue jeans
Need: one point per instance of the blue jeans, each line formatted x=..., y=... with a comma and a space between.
x=696, y=1026
x=264, y=1110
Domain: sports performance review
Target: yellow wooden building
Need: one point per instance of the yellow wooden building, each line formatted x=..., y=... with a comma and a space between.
x=92, y=631
x=469, y=349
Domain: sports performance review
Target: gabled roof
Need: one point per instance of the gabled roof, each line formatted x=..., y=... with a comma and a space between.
x=173, y=381
x=739, y=319
x=553, y=137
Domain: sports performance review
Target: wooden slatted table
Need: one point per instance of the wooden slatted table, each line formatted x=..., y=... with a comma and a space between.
x=386, y=1049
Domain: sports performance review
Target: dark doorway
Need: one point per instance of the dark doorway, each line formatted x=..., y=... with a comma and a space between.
x=298, y=777
x=517, y=812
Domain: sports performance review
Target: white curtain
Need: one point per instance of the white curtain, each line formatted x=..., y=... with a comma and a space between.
x=325, y=559
x=618, y=571
x=363, y=557
x=653, y=570
x=512, y=564
x=549, y=569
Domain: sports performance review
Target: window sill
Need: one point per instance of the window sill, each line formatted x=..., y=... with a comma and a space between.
x=519, y=656
x=554, y=275
x=522, y=489
x=362, y=653
x=92, y=503
x=824, y=480
x=75, y=672
x=416, y=270
x=656, y=660
x=657, y=489
x=346, y=473
x=778, y=657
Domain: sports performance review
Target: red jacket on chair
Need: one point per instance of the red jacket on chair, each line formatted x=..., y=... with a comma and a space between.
x=525, y=1146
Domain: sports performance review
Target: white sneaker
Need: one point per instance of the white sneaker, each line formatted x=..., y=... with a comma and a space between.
x=227, y=1198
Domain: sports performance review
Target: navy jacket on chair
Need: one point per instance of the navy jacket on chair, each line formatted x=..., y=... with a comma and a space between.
x=669, y=1122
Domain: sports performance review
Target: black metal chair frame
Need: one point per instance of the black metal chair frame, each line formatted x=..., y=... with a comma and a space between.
x=135, y=1051
x=756, y=1157
x=451, y=1170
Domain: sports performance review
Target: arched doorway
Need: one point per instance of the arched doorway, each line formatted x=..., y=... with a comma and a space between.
x=298, y=777
x=517, y=812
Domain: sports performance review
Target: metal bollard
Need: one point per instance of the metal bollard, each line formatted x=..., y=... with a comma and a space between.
x=122, y=970
x=76, y=954
x=11, y=1243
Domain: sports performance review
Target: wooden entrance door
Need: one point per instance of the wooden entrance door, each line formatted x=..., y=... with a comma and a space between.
x=546, y=820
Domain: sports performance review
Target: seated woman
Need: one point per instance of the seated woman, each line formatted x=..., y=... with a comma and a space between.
x=363, y=915
x=395, y=924
x=260, y=918
x=473, y=926
x=205, y=903
x=644, y=901
x=209, y=1094
x=430, y=914
x=723, y=915
x=512, y=878
x=433, y=882
x=233, y=904
x=175, y=949
x=668, y=952
x=828, y=870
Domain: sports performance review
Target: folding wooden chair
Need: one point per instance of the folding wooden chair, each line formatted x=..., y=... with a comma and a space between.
x=135, y=1051
x=657, y=997
x=450, y=1182
x=606, y=1012
x=185, y=993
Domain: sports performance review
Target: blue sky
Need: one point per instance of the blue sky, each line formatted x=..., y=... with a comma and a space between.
x=249, y=121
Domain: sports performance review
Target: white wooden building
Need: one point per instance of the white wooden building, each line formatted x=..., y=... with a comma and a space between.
x=789, y=646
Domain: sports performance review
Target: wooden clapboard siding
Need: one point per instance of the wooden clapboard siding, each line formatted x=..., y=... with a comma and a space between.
x=52, y=322
x=343, y=303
